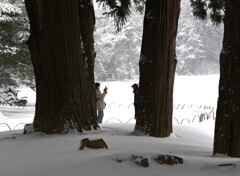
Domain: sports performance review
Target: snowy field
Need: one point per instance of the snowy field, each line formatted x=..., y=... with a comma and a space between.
x=58, y=155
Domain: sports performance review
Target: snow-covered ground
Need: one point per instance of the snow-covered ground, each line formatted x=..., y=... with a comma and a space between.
x=58, y=155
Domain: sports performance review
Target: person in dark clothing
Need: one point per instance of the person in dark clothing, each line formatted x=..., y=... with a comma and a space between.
x=136, y=98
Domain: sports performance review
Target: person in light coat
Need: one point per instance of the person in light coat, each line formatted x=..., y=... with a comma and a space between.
x=100, y=103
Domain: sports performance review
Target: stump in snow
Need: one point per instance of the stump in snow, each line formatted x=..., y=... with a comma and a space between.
x=168, y=159
x=139, y=160
x=28, y=128
x=93, y=144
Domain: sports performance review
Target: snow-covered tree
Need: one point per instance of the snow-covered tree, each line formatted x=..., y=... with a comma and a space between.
x=14, y=31
x=198, y=44
x=117, y=53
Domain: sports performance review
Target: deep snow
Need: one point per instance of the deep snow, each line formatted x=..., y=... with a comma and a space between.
x=58, y=155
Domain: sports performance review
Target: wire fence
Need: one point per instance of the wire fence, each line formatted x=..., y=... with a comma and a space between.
x=182, y=114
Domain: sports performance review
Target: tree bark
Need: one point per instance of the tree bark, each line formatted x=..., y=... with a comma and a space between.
x=227, y=131
x=64, y=83
x=87, y=22
x=157, y=67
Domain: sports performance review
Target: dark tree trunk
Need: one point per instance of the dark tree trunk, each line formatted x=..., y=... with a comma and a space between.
x=157, y=67
x=87, y=22
x=227, y=127
x=64, y=83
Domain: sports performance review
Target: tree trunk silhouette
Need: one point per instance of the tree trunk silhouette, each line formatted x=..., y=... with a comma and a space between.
x=64, y=77
x=87, y=22
x=157, y=67
x=227, y=131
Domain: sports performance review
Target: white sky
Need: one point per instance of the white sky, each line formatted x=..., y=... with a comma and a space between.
x=54, y=155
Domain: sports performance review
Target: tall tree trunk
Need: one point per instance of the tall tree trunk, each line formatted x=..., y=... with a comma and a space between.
x=87, y=22
x=227, y=131
x=63, y=86
x=157, y=67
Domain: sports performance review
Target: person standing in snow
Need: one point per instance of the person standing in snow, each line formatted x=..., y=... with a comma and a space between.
x=136, y=99
x=100, y=103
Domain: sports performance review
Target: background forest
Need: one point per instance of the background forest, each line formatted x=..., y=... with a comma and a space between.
x=117, y=54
